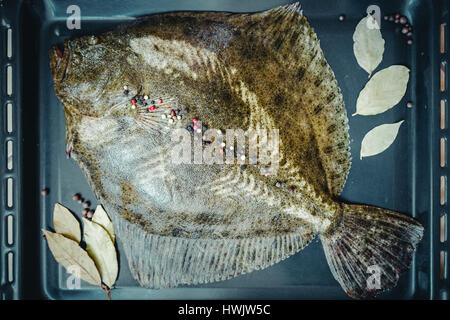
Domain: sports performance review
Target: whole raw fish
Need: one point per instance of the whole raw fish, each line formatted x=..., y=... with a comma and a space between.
x=126, y=92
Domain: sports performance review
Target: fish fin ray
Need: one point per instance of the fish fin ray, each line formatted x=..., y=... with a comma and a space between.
x=156, y=261
x=328, y=118
x=369, y=249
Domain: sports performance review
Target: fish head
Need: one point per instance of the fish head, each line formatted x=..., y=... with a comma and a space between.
x=93, y=75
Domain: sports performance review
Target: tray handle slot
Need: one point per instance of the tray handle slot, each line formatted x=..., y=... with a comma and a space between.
x=9, y=118
x=9, y=43
x=10, y=193
x=10, y=268
x=443, y=191
x=440, y=254
x=10, y=153
x=9, y=80
x=443, y=265
x=443, y=233
x=10, y=230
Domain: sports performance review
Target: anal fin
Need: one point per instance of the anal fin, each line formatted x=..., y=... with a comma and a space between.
x=164, y=262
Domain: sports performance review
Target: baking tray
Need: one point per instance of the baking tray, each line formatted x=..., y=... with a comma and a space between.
x=408, y=177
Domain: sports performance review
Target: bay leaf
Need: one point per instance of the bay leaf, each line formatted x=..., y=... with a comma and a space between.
x=379, y=139
x=368, y=45
x=71, y=256
x=65, y=223
x=102, y=218
x=101, y=249
x=383, y=91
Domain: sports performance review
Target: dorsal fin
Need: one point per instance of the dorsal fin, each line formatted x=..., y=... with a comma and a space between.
x=287, y=33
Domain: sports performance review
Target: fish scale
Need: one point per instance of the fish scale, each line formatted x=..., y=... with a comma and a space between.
x=186, y=224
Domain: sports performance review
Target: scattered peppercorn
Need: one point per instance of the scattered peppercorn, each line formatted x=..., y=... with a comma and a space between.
x=76, y=196
x=409, y=104
x=45, y=191
x=403, y=20
x=86, y=204
x=90, y=214
x=341, y=17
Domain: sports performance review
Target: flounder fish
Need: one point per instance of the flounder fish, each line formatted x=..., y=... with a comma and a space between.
x=126, y=91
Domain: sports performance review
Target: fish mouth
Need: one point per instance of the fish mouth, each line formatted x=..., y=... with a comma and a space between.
x=59, y=61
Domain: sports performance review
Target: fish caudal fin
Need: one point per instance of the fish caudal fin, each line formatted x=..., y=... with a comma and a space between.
x=369, y=248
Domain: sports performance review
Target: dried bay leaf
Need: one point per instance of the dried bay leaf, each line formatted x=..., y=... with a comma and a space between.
x=71, y=256
x=379, y=139
x=65, y=223
x=386, y=88
x=102, y=218
x=101, y=249
x=368, y=45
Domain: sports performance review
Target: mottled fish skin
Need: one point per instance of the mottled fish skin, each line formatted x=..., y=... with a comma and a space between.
x=198, y=61
x=231, y=71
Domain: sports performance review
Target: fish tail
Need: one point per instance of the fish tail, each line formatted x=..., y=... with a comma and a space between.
x=369, y=247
